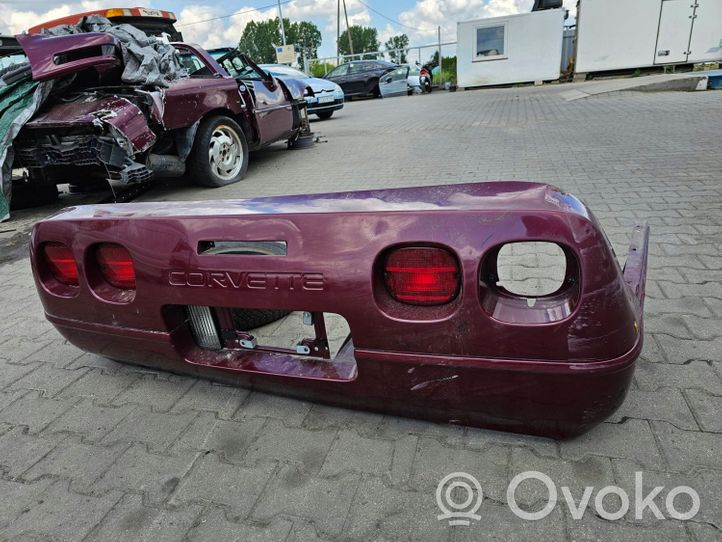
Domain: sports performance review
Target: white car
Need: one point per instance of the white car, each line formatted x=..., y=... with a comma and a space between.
x=327, y=95
x=406, y=79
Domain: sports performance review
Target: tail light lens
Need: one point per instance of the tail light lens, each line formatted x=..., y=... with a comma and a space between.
x=61, y=263
x=422, y=275
x=116, y=265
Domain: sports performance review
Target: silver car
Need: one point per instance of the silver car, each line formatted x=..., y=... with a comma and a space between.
x=327, y=95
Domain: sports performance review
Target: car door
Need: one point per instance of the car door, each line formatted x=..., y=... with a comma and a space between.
x=274, y=112
x=272, y=109
x=394, y=83
x=339, y=75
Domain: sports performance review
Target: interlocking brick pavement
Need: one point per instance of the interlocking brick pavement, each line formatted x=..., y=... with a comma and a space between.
x=93, y=449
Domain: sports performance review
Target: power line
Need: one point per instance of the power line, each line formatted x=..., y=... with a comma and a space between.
x=235, y=13
x=377, y=12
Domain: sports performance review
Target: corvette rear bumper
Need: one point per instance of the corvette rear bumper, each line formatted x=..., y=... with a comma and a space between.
x=487, y=357
x=558, y=400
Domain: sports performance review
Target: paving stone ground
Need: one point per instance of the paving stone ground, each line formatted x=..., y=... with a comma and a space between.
x=94, y=450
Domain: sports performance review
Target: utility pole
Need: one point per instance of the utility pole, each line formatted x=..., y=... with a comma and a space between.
x=338, y=28
x=283, y=30
x=348, y=29
x=441, y=75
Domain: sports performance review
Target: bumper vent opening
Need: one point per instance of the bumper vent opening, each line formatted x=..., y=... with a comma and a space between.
x=301, y=344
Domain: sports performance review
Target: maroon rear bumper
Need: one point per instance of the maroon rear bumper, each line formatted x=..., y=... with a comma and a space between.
x=483, y=360
x=556, y=400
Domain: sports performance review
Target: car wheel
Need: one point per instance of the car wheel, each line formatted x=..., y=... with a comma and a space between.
x=247, y=319
x=376, y=91
x=325, y=115
x=220, y=153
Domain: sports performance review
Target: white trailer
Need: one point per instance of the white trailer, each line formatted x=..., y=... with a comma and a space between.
x=514, y=49
x=625, y=34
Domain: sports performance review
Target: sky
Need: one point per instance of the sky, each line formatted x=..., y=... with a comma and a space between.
x=207, y=22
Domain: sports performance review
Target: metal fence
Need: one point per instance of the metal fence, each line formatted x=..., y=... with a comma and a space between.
x=421, y=54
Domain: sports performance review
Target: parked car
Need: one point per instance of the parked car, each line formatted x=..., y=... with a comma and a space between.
x=360, y=77
x=414, y=271
x=100, y=128
x=327, y=96
x=405, y=79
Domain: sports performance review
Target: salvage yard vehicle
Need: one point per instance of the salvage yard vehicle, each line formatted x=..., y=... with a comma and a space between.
x=433, y=332
x=154, y=22
x=327, y=96
x=94, y=127
x=360, y=77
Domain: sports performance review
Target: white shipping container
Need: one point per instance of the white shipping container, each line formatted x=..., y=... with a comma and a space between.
x=625, y=34
x=513, y=49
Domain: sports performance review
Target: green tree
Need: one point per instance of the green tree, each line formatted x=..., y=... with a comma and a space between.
x=260, y=39
x=365, y=40
x=305, y=36
x=397, y=48
x=319, y=69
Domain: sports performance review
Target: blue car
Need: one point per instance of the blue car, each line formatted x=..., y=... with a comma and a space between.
x=327, y=95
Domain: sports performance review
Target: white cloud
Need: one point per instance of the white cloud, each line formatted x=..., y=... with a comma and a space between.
x=196, y=28
x=15, y=21
x=427, y=15
x=227, y=31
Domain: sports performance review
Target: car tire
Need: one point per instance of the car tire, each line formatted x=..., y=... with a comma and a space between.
x=324, y=115
x=220, y=153
x=248, y=319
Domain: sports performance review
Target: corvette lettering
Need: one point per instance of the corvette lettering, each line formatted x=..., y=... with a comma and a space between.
x=240, y=280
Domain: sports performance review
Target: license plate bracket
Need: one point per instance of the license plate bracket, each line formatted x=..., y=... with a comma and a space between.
x=314, y=347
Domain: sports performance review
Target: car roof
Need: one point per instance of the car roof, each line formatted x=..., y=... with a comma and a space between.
x=384, y=62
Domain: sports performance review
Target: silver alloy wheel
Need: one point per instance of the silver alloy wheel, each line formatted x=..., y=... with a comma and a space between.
x=225, y=152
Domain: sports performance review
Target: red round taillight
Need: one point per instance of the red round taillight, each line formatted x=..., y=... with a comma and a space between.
x=59, y=260
x=422, y=275
x=116, y=265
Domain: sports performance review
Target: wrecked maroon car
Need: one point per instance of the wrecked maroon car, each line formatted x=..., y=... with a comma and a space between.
x=95, y=127
x=414, y=273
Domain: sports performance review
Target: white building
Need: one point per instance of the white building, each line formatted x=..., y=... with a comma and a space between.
x=624, y=34
x=514, y=49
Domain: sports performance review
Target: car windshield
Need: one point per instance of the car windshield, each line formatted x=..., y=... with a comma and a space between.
x=193, y=65
x=285, y=71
